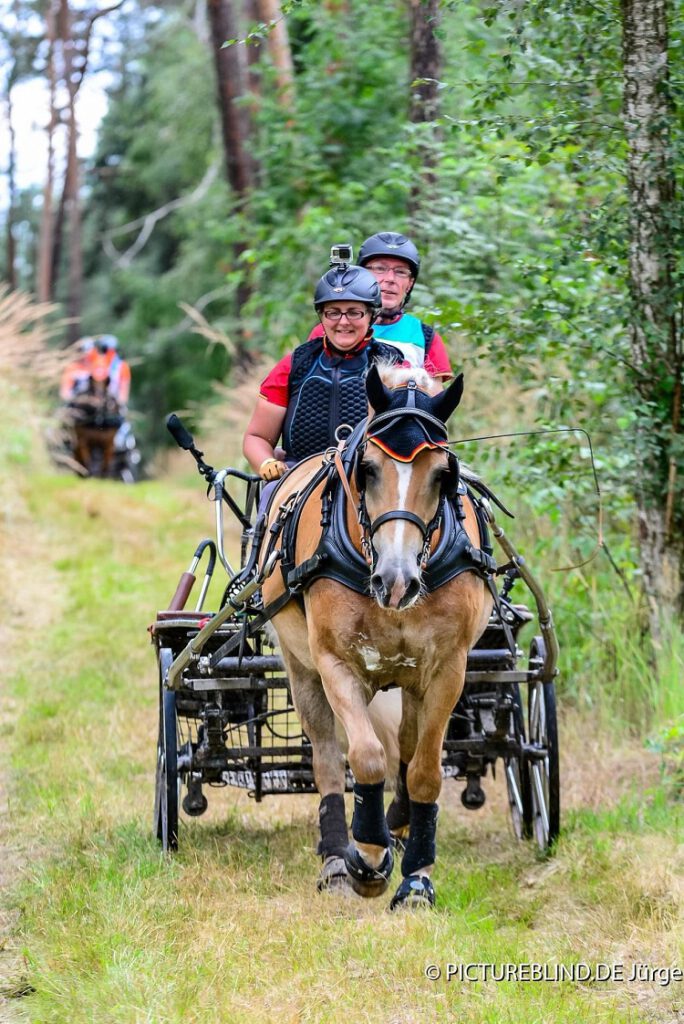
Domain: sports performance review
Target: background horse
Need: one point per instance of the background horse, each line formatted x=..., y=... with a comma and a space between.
x=341, y=646
x=95, y=418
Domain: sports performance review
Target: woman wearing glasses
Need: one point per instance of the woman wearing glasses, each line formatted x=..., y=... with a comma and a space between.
x=321, y=385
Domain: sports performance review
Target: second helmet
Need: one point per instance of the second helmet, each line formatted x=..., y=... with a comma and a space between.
x=348, y=284
x=390, y=243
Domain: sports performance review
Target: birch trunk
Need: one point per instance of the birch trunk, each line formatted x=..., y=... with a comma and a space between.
x=655, y=332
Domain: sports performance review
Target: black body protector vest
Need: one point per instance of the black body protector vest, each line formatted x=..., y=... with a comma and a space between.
x=326, y=391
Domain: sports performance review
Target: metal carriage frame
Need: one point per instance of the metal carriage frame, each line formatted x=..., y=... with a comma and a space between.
x=226, y=715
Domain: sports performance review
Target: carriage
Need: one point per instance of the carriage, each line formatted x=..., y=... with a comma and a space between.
x=226, y=715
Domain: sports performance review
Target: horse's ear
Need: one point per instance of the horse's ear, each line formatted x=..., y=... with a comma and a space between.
x=444, y=404
x=378, y=395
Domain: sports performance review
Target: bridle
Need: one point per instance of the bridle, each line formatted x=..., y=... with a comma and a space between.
x=379, y=424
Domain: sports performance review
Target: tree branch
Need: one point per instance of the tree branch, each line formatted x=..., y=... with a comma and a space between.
x=150, y=220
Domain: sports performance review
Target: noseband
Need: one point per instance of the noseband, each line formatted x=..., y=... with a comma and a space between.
x=385, y=421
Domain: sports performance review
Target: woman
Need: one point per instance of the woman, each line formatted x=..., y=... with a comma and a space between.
x=321, y=385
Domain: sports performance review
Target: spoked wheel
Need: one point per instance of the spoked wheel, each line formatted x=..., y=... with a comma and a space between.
x=518, y=782
x=167, y=781
x=543, y=770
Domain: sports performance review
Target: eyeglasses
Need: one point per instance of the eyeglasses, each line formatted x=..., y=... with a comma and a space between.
x=401, y=273
x=351, y=314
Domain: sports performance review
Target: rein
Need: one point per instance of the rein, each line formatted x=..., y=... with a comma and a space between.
x=600, y=543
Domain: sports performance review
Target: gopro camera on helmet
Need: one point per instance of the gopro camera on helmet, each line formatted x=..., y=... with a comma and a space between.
x=341, y=255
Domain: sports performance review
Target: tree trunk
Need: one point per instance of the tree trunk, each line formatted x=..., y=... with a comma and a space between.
x=655, y=332
x=12, y=192
x=425, y=71
x=426, y=61
x=73, y=211
x=69, y=213
x=231, y=79
x=45, y=235
x=255, y=49
x=279, y=50
x=62, y=76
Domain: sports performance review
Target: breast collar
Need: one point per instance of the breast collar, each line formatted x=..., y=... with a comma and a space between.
x=339, y=559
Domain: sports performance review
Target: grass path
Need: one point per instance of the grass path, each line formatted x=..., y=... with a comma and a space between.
x=100, y=928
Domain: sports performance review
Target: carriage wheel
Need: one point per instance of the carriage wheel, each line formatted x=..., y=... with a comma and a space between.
x=518, y=782
x=167, y=782
x=544, y=772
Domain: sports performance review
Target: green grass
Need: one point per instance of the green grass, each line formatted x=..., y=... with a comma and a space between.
x=231, y=929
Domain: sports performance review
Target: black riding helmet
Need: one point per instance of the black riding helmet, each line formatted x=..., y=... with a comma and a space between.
x=390, y=243
x=348, y=284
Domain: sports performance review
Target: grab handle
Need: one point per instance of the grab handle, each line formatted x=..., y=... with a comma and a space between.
x=187, y=580
x=180, y=433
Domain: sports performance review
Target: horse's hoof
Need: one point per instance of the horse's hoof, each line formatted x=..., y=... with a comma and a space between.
x=414, y=891
x=365, y=880
x=334, y=878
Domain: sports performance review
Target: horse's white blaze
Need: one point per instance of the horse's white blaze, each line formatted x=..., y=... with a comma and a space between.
x=404, y=472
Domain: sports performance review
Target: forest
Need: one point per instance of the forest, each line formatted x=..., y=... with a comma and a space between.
x=533, y=151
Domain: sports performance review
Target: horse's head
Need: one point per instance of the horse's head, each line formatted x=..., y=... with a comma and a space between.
x=404, y=471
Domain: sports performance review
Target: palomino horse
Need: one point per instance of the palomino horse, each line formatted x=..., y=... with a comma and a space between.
x=406, y=618
x=95, y=418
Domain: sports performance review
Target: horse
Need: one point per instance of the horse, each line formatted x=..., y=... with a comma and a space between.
x=399, y=605
x=95, y=418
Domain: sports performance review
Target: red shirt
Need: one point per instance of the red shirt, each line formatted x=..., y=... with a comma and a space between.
x=275, y=387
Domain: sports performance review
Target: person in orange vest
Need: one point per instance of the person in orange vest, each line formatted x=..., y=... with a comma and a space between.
x=119, y=370
x=76, y=374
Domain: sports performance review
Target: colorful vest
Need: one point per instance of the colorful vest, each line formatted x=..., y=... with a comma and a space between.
x=412, y=337
x=325, y=392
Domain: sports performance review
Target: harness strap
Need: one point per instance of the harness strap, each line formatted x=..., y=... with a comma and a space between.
x=507, y=631
x=482, y=489
x=410, y=517
x=342, y=473
x=250, y=630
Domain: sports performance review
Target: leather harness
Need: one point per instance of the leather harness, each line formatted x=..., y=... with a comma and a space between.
x=337, y=557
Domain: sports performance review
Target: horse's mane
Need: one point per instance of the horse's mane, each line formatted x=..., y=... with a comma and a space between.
x=393, y=376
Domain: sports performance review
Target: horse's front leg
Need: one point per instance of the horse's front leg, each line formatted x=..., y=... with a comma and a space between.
x=107, y=451
x=424, y=783
x=81, y=451
x=369, y=857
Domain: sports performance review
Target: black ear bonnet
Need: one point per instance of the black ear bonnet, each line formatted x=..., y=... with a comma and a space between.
x=407, y=421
